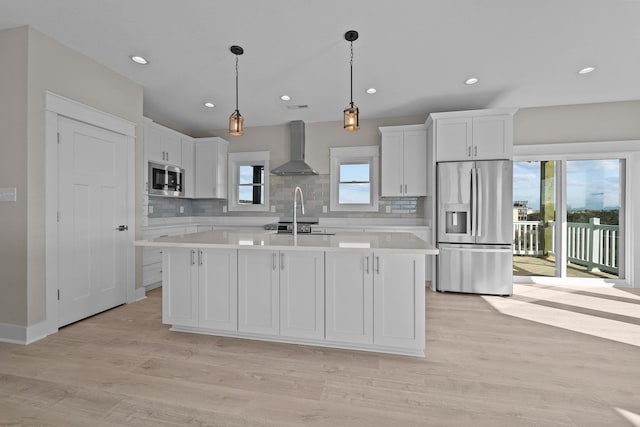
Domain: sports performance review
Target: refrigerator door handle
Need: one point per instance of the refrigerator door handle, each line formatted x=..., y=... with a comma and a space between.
x=474, y=205
x=479, y=202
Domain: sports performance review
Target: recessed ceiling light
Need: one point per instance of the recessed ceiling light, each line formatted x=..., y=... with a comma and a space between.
x=285, y=98
x=587, y=70
x=139, y=59
x=471, y=81
x=371, y=90
x=209, y=104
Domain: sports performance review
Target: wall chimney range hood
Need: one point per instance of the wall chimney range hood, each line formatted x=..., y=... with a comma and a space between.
x=297, y=165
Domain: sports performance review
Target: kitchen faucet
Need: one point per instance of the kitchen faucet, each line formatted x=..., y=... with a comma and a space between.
x=295, y=210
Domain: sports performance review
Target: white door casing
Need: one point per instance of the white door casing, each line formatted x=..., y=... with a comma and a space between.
x=58, y=106
x=92, y=204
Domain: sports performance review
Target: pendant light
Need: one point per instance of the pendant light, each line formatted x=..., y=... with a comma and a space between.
x=236, y=121
x=351, y=113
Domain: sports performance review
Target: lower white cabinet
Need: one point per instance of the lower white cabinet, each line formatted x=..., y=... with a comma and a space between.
x=281, y=293
x=152, y=256
x=398, y=300
x=302, y=294
x=375, y=299
x=200, y=288
x=349, y=297
x=258, y=298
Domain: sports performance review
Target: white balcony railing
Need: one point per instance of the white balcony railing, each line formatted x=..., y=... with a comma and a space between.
x=591, y=244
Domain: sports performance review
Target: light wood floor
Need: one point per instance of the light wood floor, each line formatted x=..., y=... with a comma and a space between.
x=483, y=368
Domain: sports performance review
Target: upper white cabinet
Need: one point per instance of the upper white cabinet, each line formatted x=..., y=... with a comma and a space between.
x=161, y=144
x=403, y=159
x=188, y=164
x=472, y=135
x=210, y=156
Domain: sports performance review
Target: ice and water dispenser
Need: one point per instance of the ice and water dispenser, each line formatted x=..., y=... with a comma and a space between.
x=457, y=219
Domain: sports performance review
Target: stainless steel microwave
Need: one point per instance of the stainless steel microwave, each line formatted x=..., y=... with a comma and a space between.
x=166, y=180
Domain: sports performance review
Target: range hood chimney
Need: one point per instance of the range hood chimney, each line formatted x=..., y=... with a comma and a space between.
x=296, y=166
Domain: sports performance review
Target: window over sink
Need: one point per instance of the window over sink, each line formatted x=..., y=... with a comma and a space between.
x=354, y=178
x=248, y=182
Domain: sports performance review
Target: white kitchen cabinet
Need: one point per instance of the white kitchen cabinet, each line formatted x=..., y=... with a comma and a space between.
x=210, y=168
x=258, y=291
x=281, y=293
x=161, y=144
x=349, y=297
x=152, y=256
x=200, y=288
x=188, y=164
x=403, y=161
x=302, y=294
x=179, y=292
x=473, y=135
x=218, y=289
x=375, y=299
x=399, y=300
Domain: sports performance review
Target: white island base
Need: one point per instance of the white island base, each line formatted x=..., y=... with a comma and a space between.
x=353, y=291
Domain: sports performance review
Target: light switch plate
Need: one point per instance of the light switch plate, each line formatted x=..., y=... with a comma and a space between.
x=8, y=194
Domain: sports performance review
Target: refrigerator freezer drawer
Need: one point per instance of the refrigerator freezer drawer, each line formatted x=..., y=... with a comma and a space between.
x=479, y=269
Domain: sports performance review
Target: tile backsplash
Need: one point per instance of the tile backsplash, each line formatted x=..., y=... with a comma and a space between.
x=316, y=195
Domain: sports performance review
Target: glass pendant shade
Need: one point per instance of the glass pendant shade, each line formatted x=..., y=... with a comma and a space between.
x=351, y=118
x=236, y=124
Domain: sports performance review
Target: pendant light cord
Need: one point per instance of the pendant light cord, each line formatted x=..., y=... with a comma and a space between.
x=236, y=82
x=351, y=67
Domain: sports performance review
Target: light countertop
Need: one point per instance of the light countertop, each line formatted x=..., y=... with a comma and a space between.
x=389, y=242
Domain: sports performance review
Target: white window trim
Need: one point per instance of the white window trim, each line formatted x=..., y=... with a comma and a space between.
x=249, y=158
x=365, y=154
x=627, y=150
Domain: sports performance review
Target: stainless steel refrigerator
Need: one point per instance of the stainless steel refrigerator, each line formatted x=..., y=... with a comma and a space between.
x=475, y=226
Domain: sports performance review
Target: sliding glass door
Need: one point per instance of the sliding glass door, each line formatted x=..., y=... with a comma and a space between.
x=593, y=206
x=534, y=218
x=568, y=218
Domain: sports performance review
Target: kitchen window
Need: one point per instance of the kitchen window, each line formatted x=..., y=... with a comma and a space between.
x=354, y=178
x=248, y=182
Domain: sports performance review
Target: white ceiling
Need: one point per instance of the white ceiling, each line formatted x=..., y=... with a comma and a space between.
x=417, y=53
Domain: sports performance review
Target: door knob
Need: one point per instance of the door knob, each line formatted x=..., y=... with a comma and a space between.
x=122, y=227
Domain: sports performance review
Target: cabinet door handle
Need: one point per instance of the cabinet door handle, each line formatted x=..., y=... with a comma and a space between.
x=400, y=188
x=475, y=150
x=367, y=258
x=273, y=257
x=405, y=189
x=378, y=265
x=281, y=261
x=469, y=152
x=193, y=252
x=199, y=256
x=167, y=156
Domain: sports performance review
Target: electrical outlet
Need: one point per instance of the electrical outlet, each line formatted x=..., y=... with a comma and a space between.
x=387, y=209
x=181, y=209
x=273, y=208
x=324, y=209
x=150, y=209
x=224, y=209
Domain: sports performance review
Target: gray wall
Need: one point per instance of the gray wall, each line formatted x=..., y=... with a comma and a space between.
x=56, y=68
x=13, y=173
x=608, y=121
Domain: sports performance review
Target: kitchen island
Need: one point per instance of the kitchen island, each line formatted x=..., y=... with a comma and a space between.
x=362, y=291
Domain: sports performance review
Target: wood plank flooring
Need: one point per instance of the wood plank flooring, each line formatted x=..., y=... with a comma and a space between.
x=490, y=361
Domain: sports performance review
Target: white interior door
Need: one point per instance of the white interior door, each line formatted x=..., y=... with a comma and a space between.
x=92, y=204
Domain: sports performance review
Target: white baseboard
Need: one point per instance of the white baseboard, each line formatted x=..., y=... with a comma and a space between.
x=139, y=294
x=24, y=335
